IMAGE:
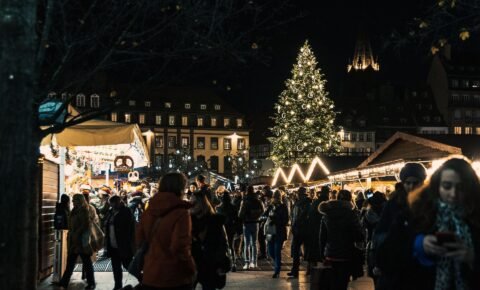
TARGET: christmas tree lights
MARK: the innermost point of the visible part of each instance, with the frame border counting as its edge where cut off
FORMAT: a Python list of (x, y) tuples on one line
[(304, 117)]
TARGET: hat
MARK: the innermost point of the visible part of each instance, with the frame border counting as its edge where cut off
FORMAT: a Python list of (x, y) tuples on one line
[(377, 199), (413, 169)]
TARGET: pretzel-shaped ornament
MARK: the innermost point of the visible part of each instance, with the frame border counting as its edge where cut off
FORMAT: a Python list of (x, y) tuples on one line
[(123, 163)]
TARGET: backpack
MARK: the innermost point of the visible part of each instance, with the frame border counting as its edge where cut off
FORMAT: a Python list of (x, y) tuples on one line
[(60, 219)]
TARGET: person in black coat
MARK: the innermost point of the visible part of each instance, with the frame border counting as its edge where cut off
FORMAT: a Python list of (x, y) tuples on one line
[(227, 209), (210, 246), (313, 233), (412, 176), (120, 237), (277, 216), (299, 228), (340, 230)]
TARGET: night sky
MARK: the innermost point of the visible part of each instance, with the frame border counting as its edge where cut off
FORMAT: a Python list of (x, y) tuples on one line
[(331, 28)]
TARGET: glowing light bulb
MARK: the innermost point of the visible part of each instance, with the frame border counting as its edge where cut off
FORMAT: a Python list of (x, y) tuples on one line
[(309, 106), (292, 113)]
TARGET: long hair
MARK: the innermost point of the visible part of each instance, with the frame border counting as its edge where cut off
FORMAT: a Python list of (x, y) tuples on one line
[(422, 201), (173, 182)]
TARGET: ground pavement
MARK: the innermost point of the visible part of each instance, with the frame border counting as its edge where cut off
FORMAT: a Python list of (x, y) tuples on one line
[(259, 278)]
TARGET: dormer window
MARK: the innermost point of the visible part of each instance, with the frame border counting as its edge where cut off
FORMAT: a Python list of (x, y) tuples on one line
[(80, 101), (94, 101), (362, 123), (218, 107), (203, 107), (437, 119), (148, 104), (426, 118), (131, 103), (403, 121), (168, 105), (188, 106)]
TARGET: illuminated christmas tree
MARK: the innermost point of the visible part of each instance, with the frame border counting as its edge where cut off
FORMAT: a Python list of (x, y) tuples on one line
[(304, 115)]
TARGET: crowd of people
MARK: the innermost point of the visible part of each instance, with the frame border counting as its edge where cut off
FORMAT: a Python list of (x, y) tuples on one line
[(423, 235)]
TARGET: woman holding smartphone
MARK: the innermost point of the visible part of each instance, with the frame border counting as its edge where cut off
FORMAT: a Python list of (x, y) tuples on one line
[(437, 245)]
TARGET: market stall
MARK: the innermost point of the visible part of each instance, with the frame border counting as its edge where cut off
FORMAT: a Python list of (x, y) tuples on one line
[(81, 151)]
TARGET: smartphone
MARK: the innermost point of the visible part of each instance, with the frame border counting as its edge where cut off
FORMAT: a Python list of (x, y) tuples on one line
[(445, 237)]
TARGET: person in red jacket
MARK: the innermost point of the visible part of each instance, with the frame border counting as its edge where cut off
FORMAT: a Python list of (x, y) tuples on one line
[(166, 224)]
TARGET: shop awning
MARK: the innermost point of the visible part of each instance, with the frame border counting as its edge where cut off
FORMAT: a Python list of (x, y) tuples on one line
[(108, 139)]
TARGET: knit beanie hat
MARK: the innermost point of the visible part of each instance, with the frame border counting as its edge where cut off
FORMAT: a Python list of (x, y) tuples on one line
[(413, 169)]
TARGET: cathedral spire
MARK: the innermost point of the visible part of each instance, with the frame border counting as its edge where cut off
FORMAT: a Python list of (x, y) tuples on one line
[(363, 56)]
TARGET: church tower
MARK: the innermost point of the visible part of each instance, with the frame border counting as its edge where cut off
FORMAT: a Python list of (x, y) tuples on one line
[(363, 55)]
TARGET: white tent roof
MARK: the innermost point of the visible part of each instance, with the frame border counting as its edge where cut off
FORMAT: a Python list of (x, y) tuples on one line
[(103, 136)]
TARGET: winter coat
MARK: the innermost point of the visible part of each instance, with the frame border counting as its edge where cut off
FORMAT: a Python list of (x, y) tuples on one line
[(210, 250), (312, 253), (79, 226), (401, 270), (300, 216), (251, 209), (205, 190), (278, 214), (231, 217), (340, 229), (124, 227), (168, 262)]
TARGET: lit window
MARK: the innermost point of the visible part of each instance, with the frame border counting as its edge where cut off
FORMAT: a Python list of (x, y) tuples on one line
[(214, 143), (188, 106), (159, 141), (94, 101), (468, 130), (200, 142), (131, 103), (213, 122), (128, 118), (239, 123), (172, 140), (240, 144), (226, 122), (141, 118), (168, 105), (148, 104), (227, 144), (203, 107), (184, 121), (476, 84), (477, 130), (158, 119), (114, 117), (199, 121), (346, 136), (218, 107), (171, 120), (457, 130), (80, 100), (185, 142)]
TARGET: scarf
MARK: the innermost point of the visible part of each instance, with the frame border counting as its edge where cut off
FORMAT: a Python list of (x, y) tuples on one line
[(448, 271)]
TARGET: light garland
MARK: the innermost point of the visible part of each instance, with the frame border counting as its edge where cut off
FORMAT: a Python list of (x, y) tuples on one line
[(296, 168)]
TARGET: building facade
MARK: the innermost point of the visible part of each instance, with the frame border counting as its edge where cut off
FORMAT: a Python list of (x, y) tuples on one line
[(184, 127), (456, 87)]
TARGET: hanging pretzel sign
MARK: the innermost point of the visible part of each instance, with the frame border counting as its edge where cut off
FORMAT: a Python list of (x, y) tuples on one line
[(123, 163)]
